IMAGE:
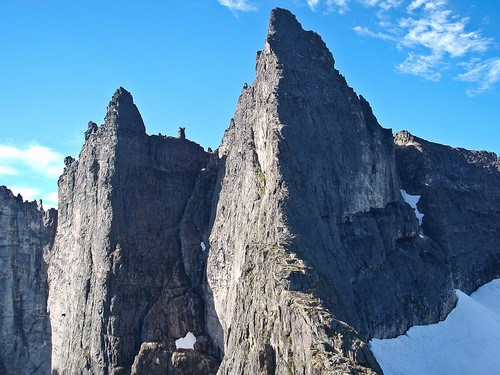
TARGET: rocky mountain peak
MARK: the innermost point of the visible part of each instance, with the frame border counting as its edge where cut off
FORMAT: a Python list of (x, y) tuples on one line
[(282, 22), (289, 41), (123, 114), (283, 252)]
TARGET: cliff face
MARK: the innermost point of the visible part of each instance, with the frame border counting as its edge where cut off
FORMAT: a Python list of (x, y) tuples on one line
[(312, 248), (460, 199), (26, 234), (283, 252), (119, 295)]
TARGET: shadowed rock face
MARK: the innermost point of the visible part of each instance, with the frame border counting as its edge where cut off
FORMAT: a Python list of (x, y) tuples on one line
[(460, 200), (26, 234), (117, 281)]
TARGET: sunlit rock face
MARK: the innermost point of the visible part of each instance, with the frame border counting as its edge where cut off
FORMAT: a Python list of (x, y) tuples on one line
[(26, 234)]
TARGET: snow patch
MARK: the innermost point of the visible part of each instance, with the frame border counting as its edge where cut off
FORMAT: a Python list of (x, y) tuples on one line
[(466, 342), (412, 200), (186, 342), (203, 247)]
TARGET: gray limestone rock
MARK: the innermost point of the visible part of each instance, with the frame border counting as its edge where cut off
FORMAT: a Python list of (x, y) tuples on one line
[(26, 234)]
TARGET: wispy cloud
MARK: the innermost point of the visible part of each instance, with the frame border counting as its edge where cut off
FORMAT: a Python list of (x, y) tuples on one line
[(380, 35), (435, 30), (423, 66), (238, 5), (312, 4), (50, 200), (34, 159), (484, 73), (341, 6), (436, 40), (30, 194)]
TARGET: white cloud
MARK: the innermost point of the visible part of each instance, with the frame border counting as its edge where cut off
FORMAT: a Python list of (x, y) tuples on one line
[(312, 4), (5, 170), (389, 4), (423, 66), (340, 6), (365, 32), (50, 200), (26, 192), (434, 39), (483, 73), (34, 159), (416, 4), (437, 41), (238, 5), (52, 197), (435, 31), (370, 3)]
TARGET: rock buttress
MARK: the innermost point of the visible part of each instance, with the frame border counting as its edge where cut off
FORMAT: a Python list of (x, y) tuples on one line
[(312, 249), (119, 296)]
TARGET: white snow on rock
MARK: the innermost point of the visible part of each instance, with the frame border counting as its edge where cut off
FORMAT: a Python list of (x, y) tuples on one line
[(466, 342), (186, 342), (203, 247), (412, 200)]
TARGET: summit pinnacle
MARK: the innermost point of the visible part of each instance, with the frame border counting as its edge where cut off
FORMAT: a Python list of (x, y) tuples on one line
[(123, 114)]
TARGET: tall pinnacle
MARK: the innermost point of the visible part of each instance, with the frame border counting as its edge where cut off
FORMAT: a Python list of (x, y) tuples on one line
[(288, 40), (283, 22), (123, 114)]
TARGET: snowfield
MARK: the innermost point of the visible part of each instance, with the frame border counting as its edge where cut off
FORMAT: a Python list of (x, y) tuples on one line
[(466, 342)]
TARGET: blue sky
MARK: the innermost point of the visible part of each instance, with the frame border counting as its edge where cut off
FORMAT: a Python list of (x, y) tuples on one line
[(429, 66)]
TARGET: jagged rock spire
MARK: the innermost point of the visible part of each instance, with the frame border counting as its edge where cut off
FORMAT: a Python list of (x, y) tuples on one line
[(123, 114), (288, 40)]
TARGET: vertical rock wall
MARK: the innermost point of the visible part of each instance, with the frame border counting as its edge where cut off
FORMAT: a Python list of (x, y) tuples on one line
[(26, 234), (119, 296)]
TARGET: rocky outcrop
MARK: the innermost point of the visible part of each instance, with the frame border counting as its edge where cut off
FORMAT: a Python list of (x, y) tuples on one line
[(312, 249), (26, 234), (460, 199), (119, 294), (283, 252)]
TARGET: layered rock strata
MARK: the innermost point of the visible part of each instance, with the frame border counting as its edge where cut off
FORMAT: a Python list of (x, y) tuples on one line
[(26, 235), (119, 296)]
